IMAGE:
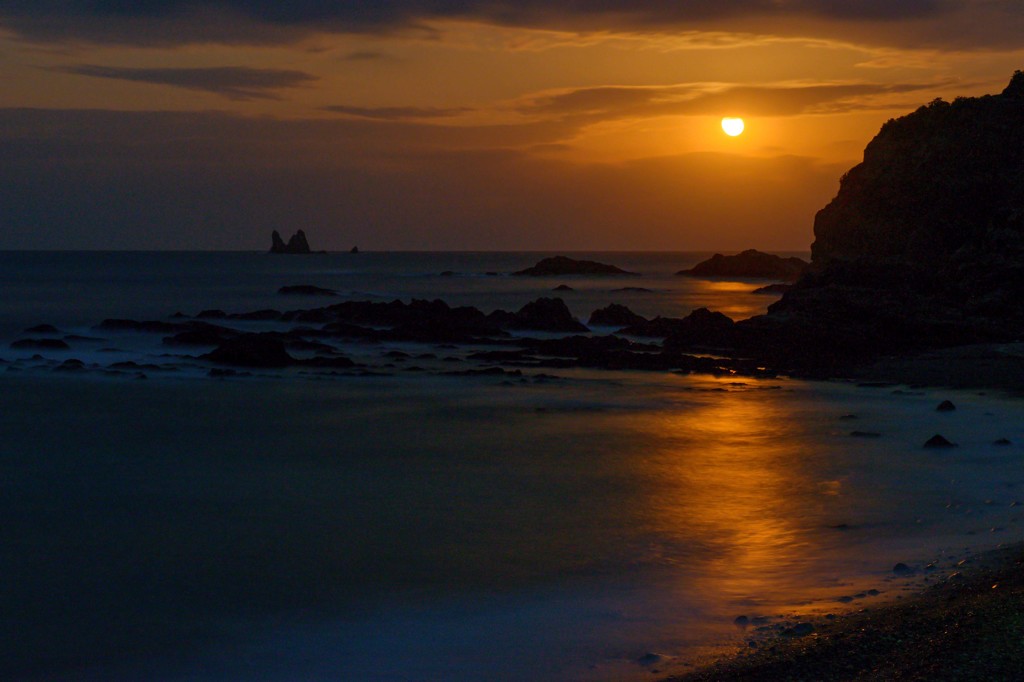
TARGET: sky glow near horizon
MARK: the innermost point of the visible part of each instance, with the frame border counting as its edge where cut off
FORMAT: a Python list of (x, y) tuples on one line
[(455, 126)]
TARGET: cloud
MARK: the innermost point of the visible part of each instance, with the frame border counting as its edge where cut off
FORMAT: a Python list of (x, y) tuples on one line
[(233, 82), (365, 56), (613, 102), (975, 23), (397, 113)]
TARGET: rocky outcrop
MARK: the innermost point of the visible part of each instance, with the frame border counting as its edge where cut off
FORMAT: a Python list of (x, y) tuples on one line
[(40, 344), (938, 188), (703, 328), (778, 288), (561, 265), (615, 315), (251, 350), (749, 263), (544, 314), (297, 243), (922, 248)]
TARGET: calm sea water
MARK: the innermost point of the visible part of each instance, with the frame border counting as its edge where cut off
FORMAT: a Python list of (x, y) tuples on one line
[(422, 527)]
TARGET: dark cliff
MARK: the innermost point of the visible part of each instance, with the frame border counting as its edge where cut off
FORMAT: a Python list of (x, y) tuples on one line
[(923, 246), (937, 187)]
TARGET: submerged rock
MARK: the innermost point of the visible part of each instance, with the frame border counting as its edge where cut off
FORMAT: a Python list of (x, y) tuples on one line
[(40, 344), (42, 329), (561, 265)]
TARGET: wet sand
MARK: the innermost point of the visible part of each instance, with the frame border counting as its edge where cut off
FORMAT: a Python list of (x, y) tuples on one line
[(967, 626)]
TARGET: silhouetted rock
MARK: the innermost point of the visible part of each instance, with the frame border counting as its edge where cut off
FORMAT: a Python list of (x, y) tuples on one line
[(251, 350), (946, 406), (561, 265), (306, 290), (773, 289), (923, 246), (1002, 441), (749, 263), (297, 243), (563, 287), (658, 328), (615, 315), (544, 314), (42, 329), (702, 328), (939, 441), (354, 249), (70, 365), (40, 344), (147, 326)]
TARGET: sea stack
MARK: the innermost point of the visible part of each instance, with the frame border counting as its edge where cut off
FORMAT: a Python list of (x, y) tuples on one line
[(297, 244)]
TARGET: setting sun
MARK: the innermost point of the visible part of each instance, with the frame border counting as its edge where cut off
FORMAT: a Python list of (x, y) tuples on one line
[(732, 126)]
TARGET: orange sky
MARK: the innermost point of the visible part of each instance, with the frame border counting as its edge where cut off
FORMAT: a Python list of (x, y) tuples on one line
[(527, 126)]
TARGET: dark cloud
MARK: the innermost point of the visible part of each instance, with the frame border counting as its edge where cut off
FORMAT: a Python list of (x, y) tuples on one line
[(191, 180), (397, 113), (234, 82), (181, 21), (609, 102)]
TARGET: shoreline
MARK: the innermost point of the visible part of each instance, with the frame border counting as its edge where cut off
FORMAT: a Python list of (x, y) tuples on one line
[(967, 626), (977, 367)]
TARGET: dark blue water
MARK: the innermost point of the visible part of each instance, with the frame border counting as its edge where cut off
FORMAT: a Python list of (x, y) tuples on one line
[(82, 288), (422, 527)]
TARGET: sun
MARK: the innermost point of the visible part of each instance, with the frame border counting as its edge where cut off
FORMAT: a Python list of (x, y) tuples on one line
[(732, 126)]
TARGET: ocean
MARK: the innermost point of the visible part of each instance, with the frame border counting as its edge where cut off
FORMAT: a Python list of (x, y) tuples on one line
[(408, 524)]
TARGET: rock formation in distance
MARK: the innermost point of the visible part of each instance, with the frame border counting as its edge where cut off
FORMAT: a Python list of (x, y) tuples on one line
[(297, 244)]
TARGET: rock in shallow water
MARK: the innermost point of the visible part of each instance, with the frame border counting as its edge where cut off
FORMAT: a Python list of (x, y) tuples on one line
[(251, 350)]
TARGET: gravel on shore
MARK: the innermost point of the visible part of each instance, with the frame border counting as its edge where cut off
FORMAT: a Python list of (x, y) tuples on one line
[(969, 626)]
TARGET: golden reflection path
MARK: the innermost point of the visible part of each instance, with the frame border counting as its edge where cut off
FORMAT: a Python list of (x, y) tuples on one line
[(728, 470)]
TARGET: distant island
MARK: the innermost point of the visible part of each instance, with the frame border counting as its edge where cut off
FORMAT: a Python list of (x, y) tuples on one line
[(561, 265), (750, 263), (297, 244)]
